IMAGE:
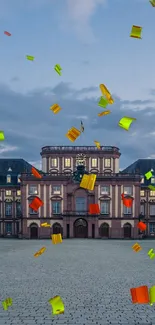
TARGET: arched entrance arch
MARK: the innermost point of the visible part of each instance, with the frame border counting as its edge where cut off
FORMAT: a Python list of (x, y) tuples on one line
[(34, 231), (80, 228), (57, 229), (104, 230), (127, 230)]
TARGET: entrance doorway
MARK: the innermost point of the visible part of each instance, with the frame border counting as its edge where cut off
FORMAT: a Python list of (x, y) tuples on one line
[(57, 229), (104, 230), (34, 231), (127, 230), (80, 228)]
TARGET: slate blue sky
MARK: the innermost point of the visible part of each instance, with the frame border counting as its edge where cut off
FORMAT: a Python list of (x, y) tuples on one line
[(90, 40)]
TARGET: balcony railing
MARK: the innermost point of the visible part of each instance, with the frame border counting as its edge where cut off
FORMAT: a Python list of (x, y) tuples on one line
[(99, 175), (78, 148)]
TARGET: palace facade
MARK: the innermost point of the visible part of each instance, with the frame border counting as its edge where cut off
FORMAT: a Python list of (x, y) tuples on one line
[(66, 204)]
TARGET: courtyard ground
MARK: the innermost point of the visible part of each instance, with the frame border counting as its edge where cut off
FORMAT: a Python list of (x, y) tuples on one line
[(93, 277)]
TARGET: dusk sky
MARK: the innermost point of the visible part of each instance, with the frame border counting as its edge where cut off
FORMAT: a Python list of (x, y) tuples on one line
[(91, 41)]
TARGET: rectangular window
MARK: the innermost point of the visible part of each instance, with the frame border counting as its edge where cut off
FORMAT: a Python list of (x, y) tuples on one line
[(18, 208), (8, 227), (81, 204), (8, 193), (105, 207), (18, 193), (105, 190), (31, 211), (107, 162), (142, 180), (127, 190), (56, 189), (127, 210), (152, 193), (142, 193), (33, 189), (67, 162), (18, 178), (8, 209), (8, 179), (152, 209), (93, 162), (54, 162), (152, 227), (56, 207), (142, 209), (152, 180)]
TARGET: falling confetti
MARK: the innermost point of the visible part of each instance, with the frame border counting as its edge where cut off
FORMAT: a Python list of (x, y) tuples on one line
[(125, 122), (136, 32)]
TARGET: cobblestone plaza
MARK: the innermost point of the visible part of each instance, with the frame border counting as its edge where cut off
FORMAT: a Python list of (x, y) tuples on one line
[(93, 277)]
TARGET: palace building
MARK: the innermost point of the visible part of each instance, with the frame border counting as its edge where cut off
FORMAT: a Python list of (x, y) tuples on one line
[(147, 195), (66, 204)]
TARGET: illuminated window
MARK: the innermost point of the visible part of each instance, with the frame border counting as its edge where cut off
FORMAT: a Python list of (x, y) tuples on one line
[(18, 178), (8, 193), (18, 193), (54, 162), (8, 179), (142, 193), (94, 162), (67, 162), (152, 193), (152, 180), (107, 162)]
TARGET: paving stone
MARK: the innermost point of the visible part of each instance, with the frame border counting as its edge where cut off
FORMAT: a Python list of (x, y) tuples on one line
[(93, 277)]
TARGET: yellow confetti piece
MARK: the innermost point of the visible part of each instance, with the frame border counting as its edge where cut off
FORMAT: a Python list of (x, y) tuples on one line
[(73, 134), (97, 144), (106, 93), (56, 238), (46, 225), (152, 295), (57, 305), (125, 122), (2, 137), (148, 175), (152, 3), (55, 108), (136, 32), (151, 187), (104, 113), (88, 182), (30, 58), (136, 247)]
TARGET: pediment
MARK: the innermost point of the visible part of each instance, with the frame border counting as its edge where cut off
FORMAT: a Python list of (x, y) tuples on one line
[(104, 197), (56, 198)]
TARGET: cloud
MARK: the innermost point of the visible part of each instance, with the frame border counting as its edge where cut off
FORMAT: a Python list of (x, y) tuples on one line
[(7, 148), (29, 124), (80, 13)]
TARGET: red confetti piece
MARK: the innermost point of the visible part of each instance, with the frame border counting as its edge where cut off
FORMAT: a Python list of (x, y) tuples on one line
[(7, 33)]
